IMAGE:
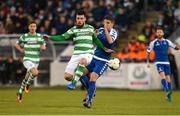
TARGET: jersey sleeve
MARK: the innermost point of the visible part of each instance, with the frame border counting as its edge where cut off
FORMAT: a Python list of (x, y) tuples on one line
[(150, 47), (171, 44), (42, 41), (64, 36), (20, 40), (113, 34), (68, 34)]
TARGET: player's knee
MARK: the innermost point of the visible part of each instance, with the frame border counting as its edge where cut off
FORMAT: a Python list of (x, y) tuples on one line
[(83, 61), (34, 72), (68, 77), (94, 76)]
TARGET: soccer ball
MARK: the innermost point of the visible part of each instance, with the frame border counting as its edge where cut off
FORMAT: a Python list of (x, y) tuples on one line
[(114, 64)]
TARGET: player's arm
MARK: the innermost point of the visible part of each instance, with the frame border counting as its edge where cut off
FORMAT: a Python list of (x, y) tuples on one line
[(100, 45), (62, 37), (147, 59), (17, 45), (176, 47), (150, 47), (42, 44), (108, 36), (111, 36), (97, 41)]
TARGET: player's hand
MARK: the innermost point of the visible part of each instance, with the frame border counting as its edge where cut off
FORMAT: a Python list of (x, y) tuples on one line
[(108, 50), (22, 51), (97, 32), (45, 36)]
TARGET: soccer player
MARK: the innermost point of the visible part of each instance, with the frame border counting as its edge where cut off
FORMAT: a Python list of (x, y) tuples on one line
[(160, 46), (83, 36), (33, 43), (99, 63)]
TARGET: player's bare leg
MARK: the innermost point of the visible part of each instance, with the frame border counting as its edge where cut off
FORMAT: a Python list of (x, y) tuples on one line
[(33, 74), (78, 73), (22, 87)]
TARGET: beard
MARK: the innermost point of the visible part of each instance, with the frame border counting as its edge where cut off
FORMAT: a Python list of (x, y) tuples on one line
[(160, 36), (79, 25)]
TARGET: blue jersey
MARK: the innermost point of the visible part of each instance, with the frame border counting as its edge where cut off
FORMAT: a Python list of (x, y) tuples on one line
[(99, 63), (100, 53), (160, 48)]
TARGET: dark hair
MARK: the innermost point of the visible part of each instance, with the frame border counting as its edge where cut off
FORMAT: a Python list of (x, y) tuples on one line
[(108, 17), (159, 28), (80, 12), (31, 22)]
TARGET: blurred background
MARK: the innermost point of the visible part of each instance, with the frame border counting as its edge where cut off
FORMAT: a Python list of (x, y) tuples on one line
[(135, 21)]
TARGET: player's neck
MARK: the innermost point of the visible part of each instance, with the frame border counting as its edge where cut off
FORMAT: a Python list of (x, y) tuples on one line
[(161, 38), (32, 33)]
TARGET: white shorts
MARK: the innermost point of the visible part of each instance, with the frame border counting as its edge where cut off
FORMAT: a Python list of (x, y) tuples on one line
[(29, 65), (74, 61)]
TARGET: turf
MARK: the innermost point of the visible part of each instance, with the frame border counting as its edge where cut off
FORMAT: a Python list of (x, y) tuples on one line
[(59, 101)]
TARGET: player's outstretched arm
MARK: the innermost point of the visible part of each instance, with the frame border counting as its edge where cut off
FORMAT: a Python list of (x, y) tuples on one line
[(147, 59), (55, 38), (62, 37), (177, 47)]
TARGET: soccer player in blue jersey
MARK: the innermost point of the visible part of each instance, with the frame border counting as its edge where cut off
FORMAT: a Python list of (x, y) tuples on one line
[(107, 35), (160, 46)]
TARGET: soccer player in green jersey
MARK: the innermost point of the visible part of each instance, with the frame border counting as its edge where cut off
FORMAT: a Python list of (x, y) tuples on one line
[(32, 43), (83, 37)]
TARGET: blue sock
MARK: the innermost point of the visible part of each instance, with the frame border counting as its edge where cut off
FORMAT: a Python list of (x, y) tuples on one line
[(169, 86), (165, 85), (85, 80), (91, 90)]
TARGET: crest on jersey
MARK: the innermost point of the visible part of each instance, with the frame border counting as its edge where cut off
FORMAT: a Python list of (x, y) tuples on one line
[(157, 44)]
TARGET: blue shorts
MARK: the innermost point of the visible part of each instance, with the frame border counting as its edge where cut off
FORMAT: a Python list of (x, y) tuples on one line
[(97, 66), (165, 68)]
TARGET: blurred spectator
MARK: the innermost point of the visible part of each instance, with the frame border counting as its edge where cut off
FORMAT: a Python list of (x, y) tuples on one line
[(174, 69), (121, 19), (50, 14), (177, 12), (124, 55), (20, 71), (11, 69), (3, 69), (148, 29)]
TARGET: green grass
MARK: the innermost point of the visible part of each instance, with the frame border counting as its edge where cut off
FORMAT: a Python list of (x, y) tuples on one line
[(50, 101)]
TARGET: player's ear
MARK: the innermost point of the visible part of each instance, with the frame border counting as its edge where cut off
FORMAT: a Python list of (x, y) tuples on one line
[(84, 19)]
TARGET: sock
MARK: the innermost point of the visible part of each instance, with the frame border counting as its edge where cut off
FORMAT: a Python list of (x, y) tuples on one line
[(21, 89), (91, 90), (78, 73), (30, 79), (169, 86), (165, 84), (85, 80)]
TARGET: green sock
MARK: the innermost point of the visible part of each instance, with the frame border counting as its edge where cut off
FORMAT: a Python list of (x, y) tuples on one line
[(21, 89), (78, 73), (30, 79)]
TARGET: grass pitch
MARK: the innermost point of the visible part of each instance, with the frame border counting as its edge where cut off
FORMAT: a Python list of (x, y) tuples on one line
[(59, 101)]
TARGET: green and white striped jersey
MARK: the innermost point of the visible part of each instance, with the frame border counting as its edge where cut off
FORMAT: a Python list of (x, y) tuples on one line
[(82, 38), (31, 45)]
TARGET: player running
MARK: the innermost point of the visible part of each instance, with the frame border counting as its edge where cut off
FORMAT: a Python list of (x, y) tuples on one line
[(33, 43), (160, 46), (99, 63)]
